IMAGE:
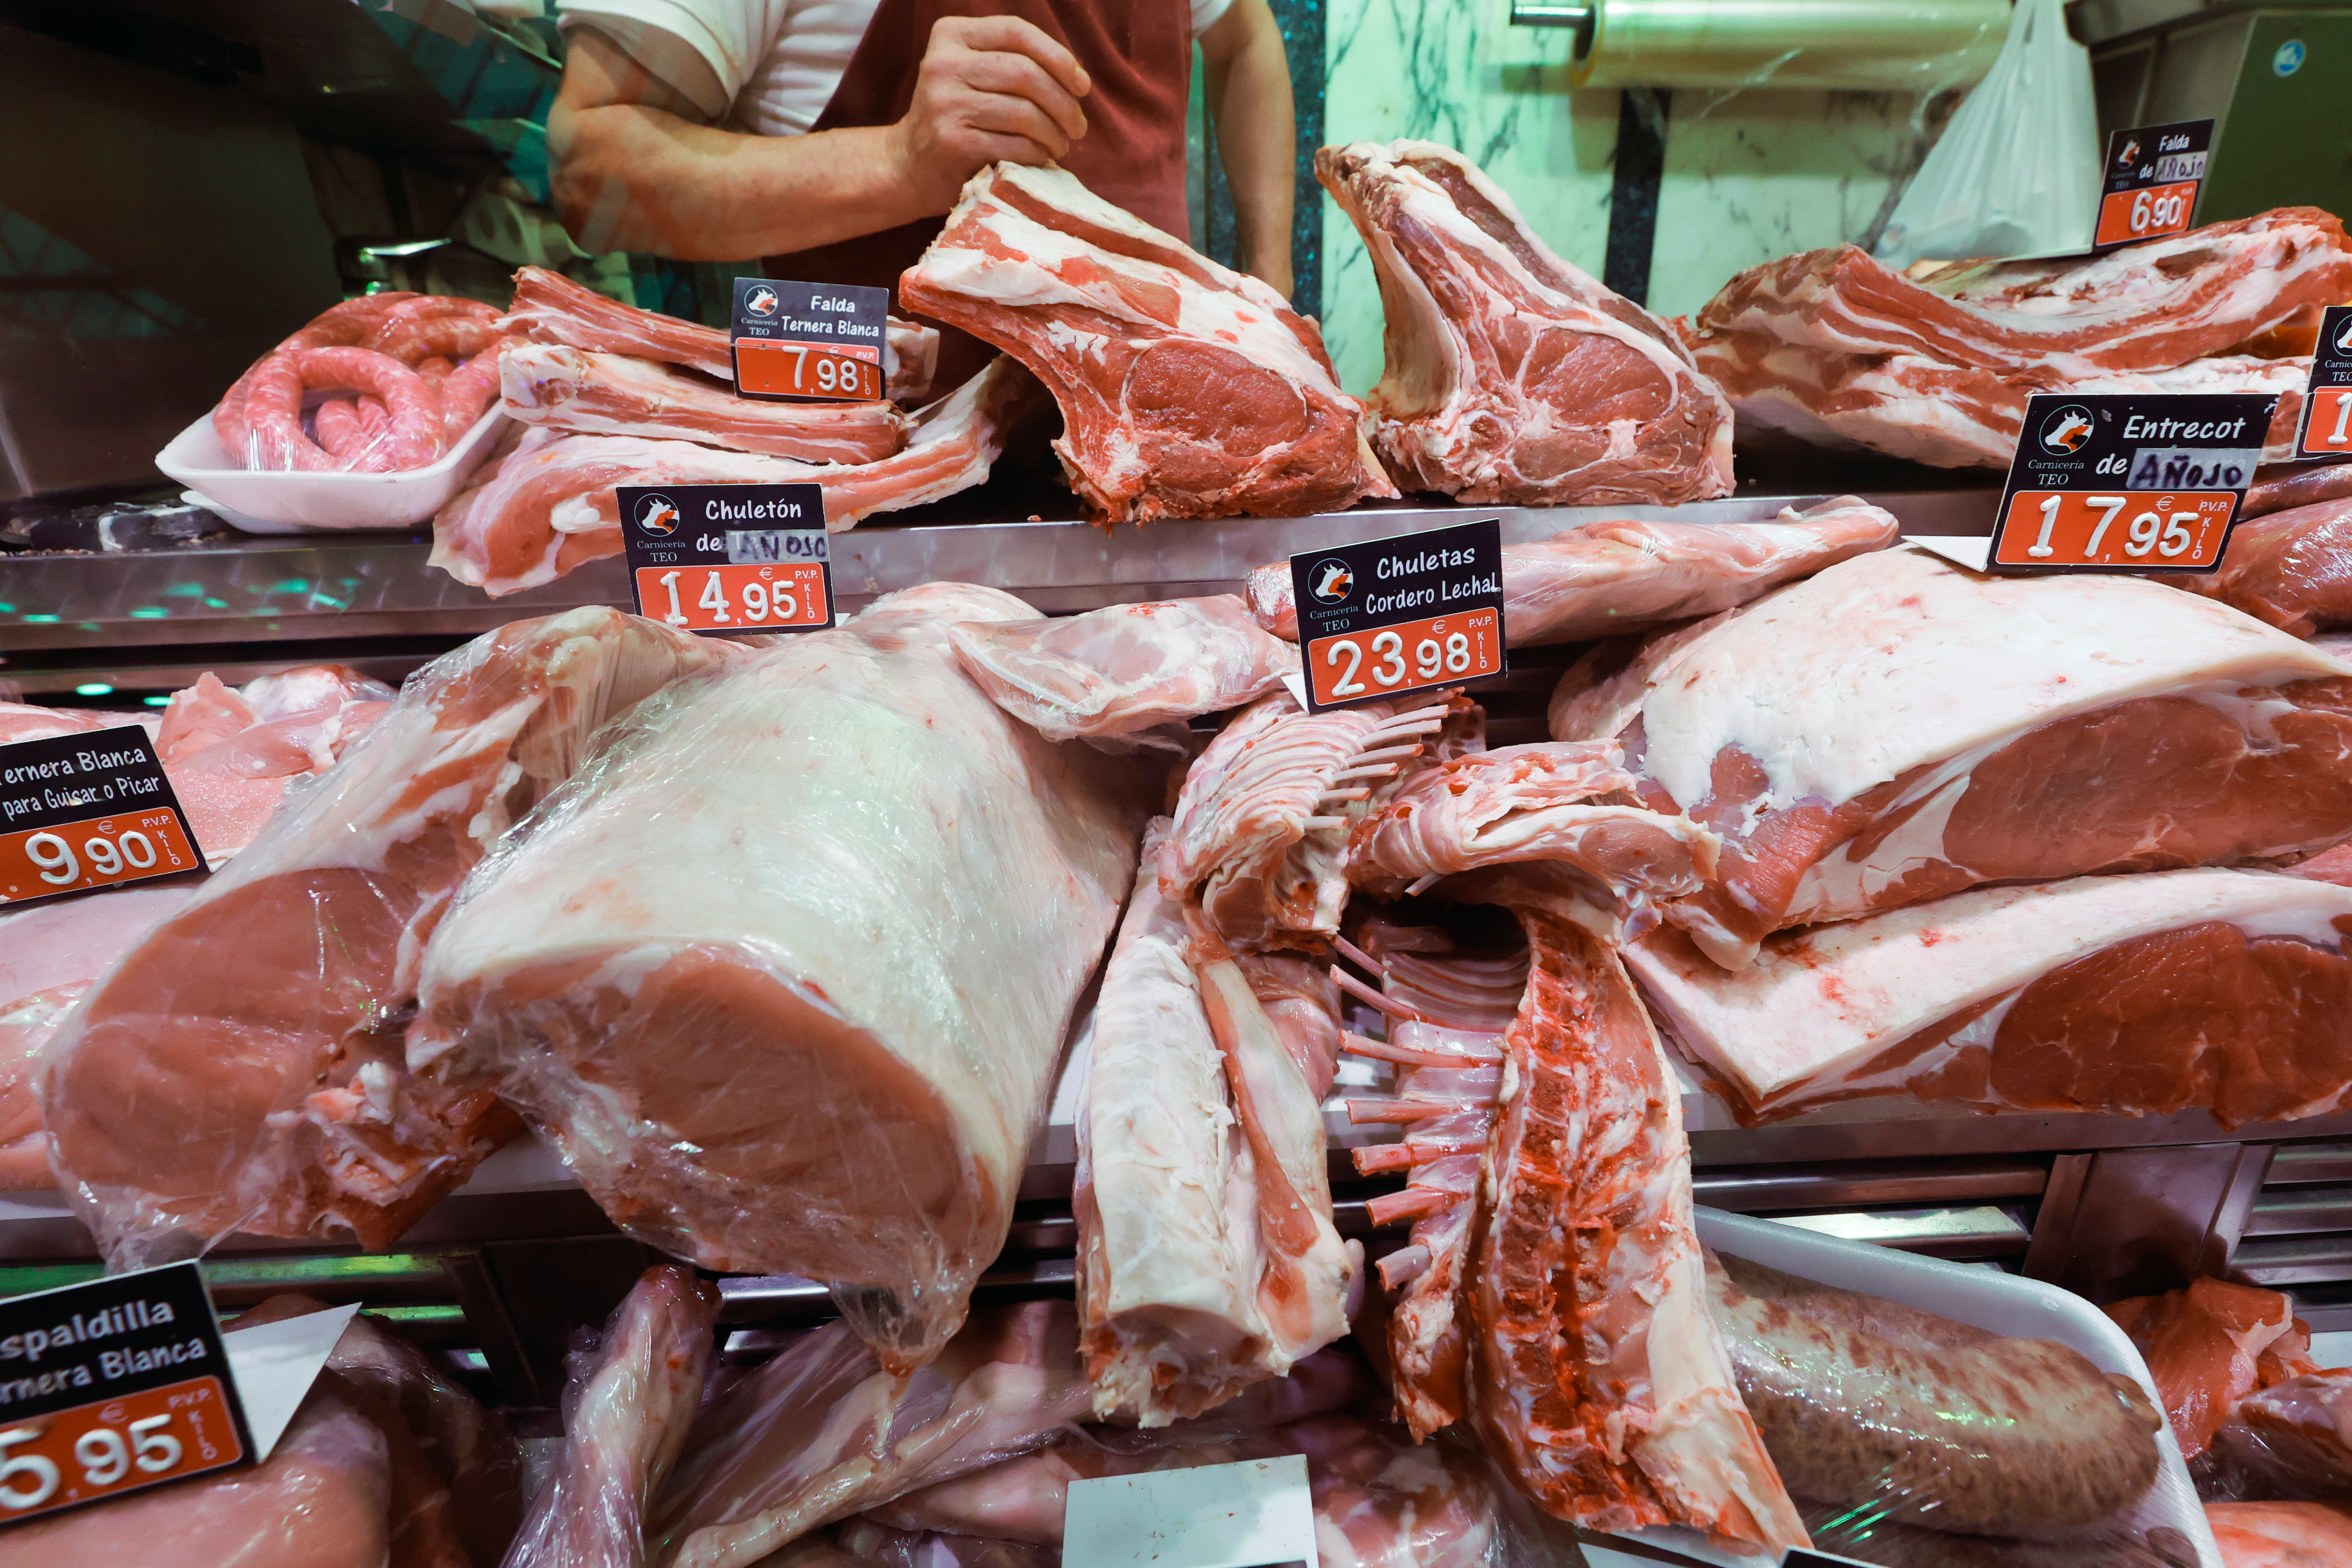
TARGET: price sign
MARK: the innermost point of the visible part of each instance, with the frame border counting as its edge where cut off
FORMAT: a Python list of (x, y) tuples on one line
[(2128, 482), (728, 559), (1413, 613), (93, 810), (113, 1387), (803, 342), (2327, 406), (2151, 181)]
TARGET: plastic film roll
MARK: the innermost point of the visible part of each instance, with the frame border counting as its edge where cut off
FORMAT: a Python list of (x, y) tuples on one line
[(1886, 46)]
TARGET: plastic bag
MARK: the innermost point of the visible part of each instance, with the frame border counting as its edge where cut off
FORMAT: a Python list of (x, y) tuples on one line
[(627, 1409), (2017, 171), (244, 1065), (787, 972), (378, 384)]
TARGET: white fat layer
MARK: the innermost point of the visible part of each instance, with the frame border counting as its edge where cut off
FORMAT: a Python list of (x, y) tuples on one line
[(1893, 660), (1817, 1004)]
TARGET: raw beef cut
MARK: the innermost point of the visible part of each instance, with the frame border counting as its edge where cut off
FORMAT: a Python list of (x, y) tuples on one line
[(2221, 990), (1600, 579), (786, 973), (1597, 1375), (1512, 378), (1898, 728), (1261, 837), (1186, 390), (823, 1431), (1206, 1256), (627, 1416), (2146, 307), (2203, 1346), (552, 309), (1126, 668), (2292, 569), (1534, 810), (2278, 489), (612, 395), (549, 506), (243, 1067), (230, 752), (2291, 1438), (2281, 1535), (318, 1502), (1950, 416)]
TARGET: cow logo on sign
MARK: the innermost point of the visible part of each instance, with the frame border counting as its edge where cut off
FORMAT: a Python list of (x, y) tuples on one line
[(657, 515), (2066, 429), (762, 301), (1332, 581)]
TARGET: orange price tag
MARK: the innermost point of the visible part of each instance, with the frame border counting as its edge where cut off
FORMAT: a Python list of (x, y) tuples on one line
[(2328, 427), (771, 368), (1445, 650), (737, 596), (2117, 529), (96, 852), (2147, 214), (112, 1445)]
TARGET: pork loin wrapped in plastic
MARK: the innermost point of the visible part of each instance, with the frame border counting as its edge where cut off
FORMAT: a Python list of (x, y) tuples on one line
[(786, 973), (243, 1067)]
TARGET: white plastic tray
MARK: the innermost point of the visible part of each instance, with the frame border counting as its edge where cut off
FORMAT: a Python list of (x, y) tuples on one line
[(264, 502), (1982, 1297)]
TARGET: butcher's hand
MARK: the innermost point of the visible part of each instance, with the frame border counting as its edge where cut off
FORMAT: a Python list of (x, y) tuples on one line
[(991, 89)]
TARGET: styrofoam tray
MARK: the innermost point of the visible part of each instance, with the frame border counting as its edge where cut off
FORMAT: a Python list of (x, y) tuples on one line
[(1981, 1297), (265, 502)]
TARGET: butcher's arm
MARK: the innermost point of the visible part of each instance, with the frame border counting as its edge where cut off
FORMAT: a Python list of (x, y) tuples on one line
[(1247, 82), (634, 167)]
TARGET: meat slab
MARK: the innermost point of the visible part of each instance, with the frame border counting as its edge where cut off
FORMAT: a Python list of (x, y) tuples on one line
[(612, 395), (895, 957), (1603, 579), (243, 1067), (1187, 390), (2281, 1535), (548, 507), (1512, 378), (1898, 728), (2204, 1346), (2292, 569), (2142, 308), (2219, 990)]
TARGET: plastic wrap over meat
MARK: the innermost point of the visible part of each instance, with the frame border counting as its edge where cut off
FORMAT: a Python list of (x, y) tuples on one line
[(320, 1500), (823, 1431), (2282, 1534), (378, 384), (243, 1067), (1603, 579), (2292, 569), (1127, 668), (2292, 1437), (787, 971), (2284, 488), (628, 1412), (1884, 1409)]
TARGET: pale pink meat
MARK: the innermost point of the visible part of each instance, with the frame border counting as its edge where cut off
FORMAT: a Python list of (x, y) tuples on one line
[(1605, 578), (1511, 376), (602, 393), (1186, 390), (2281, 1535), (549, 506), (1130, 667), (230, 753), (243, 1067)]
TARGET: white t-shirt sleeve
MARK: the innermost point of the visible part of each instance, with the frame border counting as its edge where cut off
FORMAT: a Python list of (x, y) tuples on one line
[(1206, 14), (706, 49)]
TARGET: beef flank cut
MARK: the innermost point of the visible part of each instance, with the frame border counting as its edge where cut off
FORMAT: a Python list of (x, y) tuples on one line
[(1512, 378), (1186, 390)]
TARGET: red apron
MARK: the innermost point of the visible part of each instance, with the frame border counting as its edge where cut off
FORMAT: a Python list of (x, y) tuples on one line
[(1139, 54)]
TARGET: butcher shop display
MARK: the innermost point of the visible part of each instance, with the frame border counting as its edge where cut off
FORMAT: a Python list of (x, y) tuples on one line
[(1512, 377), (1186, 390)]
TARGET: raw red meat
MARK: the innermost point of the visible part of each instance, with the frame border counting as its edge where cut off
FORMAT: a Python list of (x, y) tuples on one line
[(243, 1067), (2292, 569), (1600, 579), (1186, 390), (2277, 490), (577, 389), (1512, 377), (2202, 1346), (2146, 307), (2282, 1534), (1898, 728), (2135, 996), (230, 753), (548, 507)]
